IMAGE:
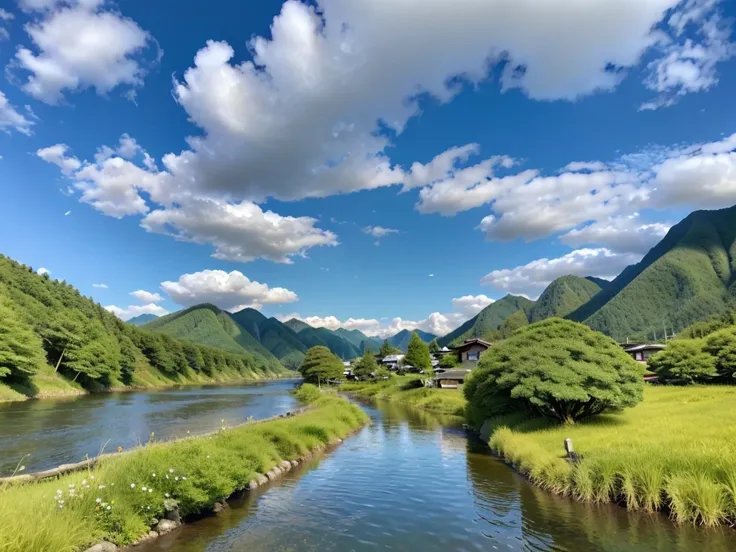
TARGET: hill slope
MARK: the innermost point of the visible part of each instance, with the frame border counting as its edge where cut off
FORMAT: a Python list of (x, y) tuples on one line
[(563, 296), (279, 339), (340, 346), (401, 339), (688, 276), (296, 325), (142, 319), (490, 318)]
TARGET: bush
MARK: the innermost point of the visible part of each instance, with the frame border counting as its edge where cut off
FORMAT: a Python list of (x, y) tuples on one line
[(307, 393), (683, 361), (449, 360), (722, 346), (555, 368)]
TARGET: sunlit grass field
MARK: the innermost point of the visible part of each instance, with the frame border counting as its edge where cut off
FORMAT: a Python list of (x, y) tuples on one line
[(676, 451), (444, 401), (121, 498)]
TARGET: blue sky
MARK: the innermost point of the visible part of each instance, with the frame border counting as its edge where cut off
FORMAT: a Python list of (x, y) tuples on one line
[(373, 165)]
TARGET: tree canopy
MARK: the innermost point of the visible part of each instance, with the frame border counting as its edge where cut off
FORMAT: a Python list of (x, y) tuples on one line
[(320, 364), (555, 368), (683, 361), (417, 355), (366, 367), (434, 346), (388, 349)]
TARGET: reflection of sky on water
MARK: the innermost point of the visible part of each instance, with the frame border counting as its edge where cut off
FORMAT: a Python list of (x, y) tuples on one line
[(57, 431)]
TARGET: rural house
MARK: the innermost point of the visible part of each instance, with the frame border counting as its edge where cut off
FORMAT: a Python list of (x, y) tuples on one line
[(641, 353), (470, 350)]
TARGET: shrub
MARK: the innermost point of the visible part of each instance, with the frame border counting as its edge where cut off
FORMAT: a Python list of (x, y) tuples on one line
[(722, 346), (683, 361), (307, 393), (555, 368)]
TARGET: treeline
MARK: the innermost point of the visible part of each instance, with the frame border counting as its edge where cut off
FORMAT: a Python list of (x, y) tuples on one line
[(45, 322)]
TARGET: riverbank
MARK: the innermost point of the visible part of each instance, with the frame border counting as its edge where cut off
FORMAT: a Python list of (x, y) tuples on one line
[(675, 452), (49, 384), (403, 389), (121, 498)]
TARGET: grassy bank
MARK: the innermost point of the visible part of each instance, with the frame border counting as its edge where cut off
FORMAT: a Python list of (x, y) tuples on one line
[(402, 389), (120, 498), (674, 452), (48, 383)]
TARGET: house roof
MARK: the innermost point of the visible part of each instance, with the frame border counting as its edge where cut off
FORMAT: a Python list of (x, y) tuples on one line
[(453, 374), (392, 358), (646, 347), (470, 343)]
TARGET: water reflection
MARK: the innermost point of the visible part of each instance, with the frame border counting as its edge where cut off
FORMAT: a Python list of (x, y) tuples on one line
[(414, 481), (57, 431)]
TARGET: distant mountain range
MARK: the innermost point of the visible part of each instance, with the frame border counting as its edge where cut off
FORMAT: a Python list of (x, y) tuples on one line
[(142, 319), (689, 276), (250, 330)]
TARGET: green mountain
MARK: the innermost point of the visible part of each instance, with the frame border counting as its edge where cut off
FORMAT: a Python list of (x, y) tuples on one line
[(401, 339), (686, 277), (279, 339), (142, 319), (52, 331), (356, 337), (296, 325), (340, 346), (208, 325), (563, 296), (490, 318)]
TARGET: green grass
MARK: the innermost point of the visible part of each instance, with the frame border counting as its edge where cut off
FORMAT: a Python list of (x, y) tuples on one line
[(196, 472), (675, 452), (46, 383), (396, 389)]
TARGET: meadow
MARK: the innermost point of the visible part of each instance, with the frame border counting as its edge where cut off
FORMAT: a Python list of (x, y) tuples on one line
[(120, 499), (402, 389), (675, 452)]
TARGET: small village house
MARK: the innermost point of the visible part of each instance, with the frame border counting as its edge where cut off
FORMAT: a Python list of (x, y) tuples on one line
[(451, 379), (642, 352), (469, 352)]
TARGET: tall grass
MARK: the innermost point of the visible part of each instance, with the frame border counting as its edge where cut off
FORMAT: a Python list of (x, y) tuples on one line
[(402, 389), (675, 452), (121, 498)]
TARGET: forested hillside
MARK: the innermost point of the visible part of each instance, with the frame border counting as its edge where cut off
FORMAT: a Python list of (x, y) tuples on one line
[(490, 318), (688, 276), (142, 319), (563, 296), (401, 339), (50, 330), (279, 339)]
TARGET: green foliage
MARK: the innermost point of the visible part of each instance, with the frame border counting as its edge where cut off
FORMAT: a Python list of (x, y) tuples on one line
[(366, 367), (563, 296), (21, 353), (517, 320), (307, 393), (312, 337), (490, 318), (417, 355), (683, 361), (382, 373), (401, 339), (194, 473), (721, 345), (449, 360), (320, 364), (434, 346), (685, 278), (388, 349), (555, 368)]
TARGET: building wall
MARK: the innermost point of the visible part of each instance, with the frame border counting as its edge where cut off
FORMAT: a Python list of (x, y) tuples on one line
[(476, 350)]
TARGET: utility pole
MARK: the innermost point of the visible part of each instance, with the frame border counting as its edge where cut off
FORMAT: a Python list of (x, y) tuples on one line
[(664, 325)]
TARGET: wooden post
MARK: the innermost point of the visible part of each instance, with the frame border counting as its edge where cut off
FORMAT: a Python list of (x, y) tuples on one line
[(568, 448)]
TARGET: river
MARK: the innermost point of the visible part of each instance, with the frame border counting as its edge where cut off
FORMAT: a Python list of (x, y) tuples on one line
[(45, 433), (411, 481)]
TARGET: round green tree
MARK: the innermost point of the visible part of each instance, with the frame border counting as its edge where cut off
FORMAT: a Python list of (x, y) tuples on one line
[(722, 346), (366, 367), (683, 361), (555, 368), (417, 355), (320, 364), (21, 353)]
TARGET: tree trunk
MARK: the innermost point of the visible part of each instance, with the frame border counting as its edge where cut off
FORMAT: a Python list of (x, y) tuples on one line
[(59, 361)]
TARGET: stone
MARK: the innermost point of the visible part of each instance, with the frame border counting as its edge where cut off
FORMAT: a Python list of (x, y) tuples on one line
[(271, 475), (173, 515), (252, 485), (166, 526), (103, 547), (262, 479), (277, 471), (285, 466), (220, 506), (294, 463)]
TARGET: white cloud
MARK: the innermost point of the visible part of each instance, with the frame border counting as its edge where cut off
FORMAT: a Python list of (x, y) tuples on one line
[(531, 279), (470, 305), (67, 213), (300, 120), (379, 231), (230, 291), (80, 44), (56, 154), (10, 119), (135, 310), (240, 232), (43, 271), (578, 166), (699, 39), (100, 286), (146, 296), (619, 234), (5, 16)]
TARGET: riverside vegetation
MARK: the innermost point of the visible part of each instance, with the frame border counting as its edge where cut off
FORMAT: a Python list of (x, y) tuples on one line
[(124, 494), (54, 341)]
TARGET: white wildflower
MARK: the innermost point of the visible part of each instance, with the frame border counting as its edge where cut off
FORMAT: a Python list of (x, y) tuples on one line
[(98, 500), (143, 488), (108, 507), (171, 470), (176, 478), (166, 495), (132, 485)]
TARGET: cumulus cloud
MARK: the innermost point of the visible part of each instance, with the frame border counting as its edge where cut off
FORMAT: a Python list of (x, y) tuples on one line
[(470, 305), (5, 16), (531, 279), (56, 154), (81, 44), (11, 119), (625, 234), (228, 290), (43, 271), (379, 231), (146, 296), (135, 310)]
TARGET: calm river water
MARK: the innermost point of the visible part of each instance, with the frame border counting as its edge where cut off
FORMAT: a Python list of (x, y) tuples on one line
[(59, 431), (416, 482)]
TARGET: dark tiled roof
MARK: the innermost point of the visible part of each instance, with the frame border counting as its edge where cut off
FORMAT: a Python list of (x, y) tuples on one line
[(454, 374), (470, 342)]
